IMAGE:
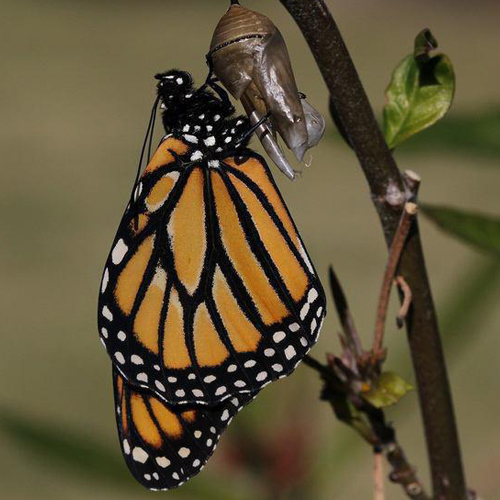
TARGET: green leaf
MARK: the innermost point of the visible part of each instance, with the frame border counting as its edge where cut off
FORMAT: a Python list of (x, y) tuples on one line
[(387, 390), (479, 230), (419, 94)]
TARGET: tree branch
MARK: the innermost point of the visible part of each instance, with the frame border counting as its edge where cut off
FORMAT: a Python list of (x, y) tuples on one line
[(388, 194)]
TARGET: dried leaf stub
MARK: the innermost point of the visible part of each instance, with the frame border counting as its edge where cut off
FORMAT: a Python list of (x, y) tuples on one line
[(249, 56)]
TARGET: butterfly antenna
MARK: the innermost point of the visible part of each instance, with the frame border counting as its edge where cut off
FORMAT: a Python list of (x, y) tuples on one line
[(147, 140), (154, 112)]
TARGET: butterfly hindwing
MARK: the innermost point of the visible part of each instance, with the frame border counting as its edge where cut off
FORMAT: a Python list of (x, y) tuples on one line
[(164, 445)]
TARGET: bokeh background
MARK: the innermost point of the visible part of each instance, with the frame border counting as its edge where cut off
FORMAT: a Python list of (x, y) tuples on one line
[(76, 89)]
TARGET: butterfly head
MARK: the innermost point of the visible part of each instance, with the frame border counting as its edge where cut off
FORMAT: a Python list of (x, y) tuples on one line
[(199, 116)]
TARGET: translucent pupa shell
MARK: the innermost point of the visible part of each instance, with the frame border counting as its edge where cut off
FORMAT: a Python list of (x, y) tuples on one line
[(249, 56)]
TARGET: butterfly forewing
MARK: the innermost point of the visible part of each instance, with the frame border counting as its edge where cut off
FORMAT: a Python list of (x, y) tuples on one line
[(208, 290)]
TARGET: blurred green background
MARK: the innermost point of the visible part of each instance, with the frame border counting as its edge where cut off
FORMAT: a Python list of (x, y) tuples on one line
[(76, 89)]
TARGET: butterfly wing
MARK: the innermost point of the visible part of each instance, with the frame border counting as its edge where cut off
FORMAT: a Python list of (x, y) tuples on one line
[(164, 446), (208, 290), (266, 302)]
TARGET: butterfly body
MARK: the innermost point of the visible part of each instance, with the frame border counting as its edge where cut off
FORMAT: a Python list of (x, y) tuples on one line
[(208, 293)]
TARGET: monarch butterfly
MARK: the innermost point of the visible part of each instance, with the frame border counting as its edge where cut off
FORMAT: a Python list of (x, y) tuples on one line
[(208, 293)]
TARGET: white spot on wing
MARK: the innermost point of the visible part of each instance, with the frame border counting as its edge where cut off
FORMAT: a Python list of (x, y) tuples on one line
[(119, 251), (197, 155), (290, 352), (126, 447), (105, 280), (142, 377), (139, 455), (312, 295), (107, 313), (119, 357), (304, 310), (137, 360), (138, 191), (221, 390), (191, 138), (279, 336), (184, 452)]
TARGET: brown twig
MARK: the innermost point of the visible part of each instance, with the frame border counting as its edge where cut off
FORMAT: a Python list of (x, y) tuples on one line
[(316, 365), (378, 476), (395, 251), (406, 302), (343, 388), (403, 473), (388, 193)]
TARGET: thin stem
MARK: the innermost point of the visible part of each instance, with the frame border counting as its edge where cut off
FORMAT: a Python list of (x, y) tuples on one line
[(395, 251), (344, 313), (403, 473), (388, 194), (370, 423), (378, 477), (406, 302), (316, 365)]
